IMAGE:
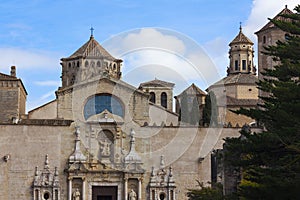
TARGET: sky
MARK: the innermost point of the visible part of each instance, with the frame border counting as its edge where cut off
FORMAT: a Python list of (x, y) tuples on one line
[(182, 41)]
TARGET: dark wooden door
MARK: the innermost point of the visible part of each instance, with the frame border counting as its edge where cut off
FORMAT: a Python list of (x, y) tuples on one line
[(105, 193), (104, 197)]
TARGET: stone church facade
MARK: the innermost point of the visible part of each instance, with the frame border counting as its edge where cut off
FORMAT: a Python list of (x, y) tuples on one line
[(103, 139)]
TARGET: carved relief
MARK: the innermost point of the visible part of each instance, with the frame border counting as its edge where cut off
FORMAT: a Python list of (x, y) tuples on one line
[(46, 183)]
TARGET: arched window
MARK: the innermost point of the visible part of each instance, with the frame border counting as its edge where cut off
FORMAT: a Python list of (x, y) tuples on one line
[(163, 100), (98, 103), (152, 97)]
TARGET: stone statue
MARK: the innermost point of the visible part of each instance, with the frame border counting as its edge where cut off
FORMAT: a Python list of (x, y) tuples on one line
[(76, 195), (105, 147), (132, 195)]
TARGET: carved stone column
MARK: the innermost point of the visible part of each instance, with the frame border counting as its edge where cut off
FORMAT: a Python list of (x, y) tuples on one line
[(70, 188), (126, 188), (140, 189), (83, 188)]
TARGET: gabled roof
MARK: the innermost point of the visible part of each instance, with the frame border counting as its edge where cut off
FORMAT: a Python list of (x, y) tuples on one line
[(157, 83), (92, 48), (241, 38), (285, 11), (192, 89)]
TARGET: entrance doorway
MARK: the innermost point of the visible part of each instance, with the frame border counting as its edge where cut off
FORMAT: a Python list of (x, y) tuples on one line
[(105, 193), (104, 197)]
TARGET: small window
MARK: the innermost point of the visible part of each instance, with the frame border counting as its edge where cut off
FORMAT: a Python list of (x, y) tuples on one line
[(236, 65), (287, 37), (163, 99), (244, 64), (264, 39), (152, 97), (250, 89)]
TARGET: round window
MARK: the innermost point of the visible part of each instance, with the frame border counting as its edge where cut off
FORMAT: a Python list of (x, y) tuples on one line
[(46, 195)]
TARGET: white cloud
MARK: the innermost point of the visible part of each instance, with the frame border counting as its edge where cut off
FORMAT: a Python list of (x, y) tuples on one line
[(47, 83), (143, 38), (261, 11), (27, 59), (165, 54)]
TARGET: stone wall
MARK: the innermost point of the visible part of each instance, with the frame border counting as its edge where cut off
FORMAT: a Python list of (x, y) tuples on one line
[(186, 149), (47, 111)]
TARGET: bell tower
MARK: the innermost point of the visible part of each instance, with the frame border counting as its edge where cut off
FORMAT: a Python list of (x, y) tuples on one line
[(90, 61), (268, 35), (241, 55)]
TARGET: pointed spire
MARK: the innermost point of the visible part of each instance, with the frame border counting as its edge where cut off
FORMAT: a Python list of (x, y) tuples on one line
[(132, 156), (240, 26), (77, 155)]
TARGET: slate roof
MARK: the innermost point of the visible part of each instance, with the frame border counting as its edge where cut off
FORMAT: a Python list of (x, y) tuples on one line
[(157, 83), (89, 48), (277, 17), (241, 38), (240, 78)]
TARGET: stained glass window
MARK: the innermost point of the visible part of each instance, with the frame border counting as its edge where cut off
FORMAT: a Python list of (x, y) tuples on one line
[(99, 103)]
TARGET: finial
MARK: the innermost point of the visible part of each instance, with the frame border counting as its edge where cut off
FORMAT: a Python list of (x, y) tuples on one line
[(92, 31), (55, 172), (162, 162), (46, 162), (285, 6), (77, 132), (240, 26), (36, 171)]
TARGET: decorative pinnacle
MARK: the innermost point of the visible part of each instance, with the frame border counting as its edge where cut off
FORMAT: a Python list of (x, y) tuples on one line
[(46, 162), (241, 26), (162, 162)]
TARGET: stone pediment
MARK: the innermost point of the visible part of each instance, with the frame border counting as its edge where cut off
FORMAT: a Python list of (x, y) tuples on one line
[(105, 117)]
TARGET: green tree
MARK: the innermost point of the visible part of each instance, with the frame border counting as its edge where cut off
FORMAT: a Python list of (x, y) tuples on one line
[(206, 193), (210, 110), (270, 160)]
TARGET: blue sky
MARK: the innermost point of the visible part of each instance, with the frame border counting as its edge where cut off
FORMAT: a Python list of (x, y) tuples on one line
[(35, 34)]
